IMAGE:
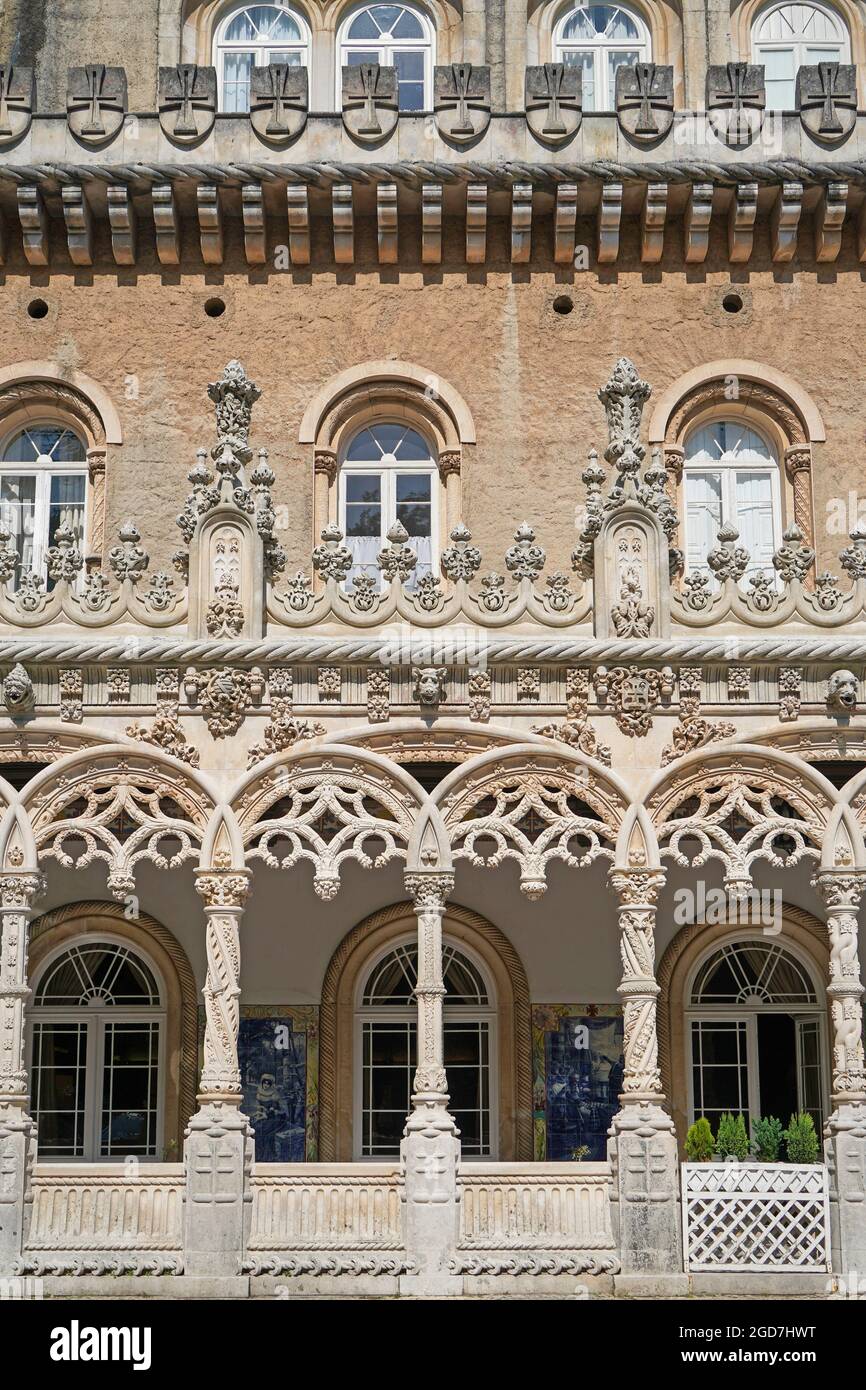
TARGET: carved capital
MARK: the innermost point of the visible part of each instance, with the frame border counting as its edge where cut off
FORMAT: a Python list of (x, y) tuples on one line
[(839, 889), (325, 461), (19, 891), (637, 887), (449, 462), (223, 889), (429, 891), (798, 459)]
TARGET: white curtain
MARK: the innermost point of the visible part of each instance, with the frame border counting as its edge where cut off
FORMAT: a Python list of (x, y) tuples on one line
[(754, 519), (18, 514)]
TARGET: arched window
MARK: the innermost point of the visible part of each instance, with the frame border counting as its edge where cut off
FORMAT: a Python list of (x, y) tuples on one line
[(396, 36), (388, 474), (43, 483), (786, 37), (755, 1035), (599, 39), (731, 477), (253, 37), (96, 1026), (386, 1051)]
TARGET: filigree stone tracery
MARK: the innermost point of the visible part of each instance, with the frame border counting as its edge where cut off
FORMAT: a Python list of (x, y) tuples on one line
[(841, 893)]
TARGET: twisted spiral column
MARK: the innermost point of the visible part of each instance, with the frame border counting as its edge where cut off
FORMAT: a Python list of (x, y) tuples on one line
[(224, 894), (841, 892), (637, 893), (429, 893)]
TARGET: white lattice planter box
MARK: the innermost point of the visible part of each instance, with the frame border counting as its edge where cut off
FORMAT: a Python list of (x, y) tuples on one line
[(741, 1216)]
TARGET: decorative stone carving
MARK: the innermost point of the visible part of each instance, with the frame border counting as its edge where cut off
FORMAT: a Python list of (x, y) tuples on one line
[(728, 560), (843, 689), (187, 102), (330, 682), (166, 731), (577, 732), (283, 730), (71, 695), (631, 617), (461, 561), (118, 685), (528, 683), (429, 685), (461, 101), (224, 695), (18, 694), (17, 102), (645, 100), (790, 690), (525, 559), (64, 558), (736, 97), (480, 694), (793, 559), (633, 695), (378, 694), (739, 682), (225, 612), (96, 103), (278, 103), (553, 99), (129, 559), (331, 559), (398, 559), (827, 100), (694, 730), (370, 110)]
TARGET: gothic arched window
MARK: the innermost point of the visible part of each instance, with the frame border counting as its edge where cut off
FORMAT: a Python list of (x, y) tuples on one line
[(96, 1027), (755, 1035), (731, 477), (388, 474), (398, 36), (386, 1051), (599, 39), (43, 485), (254, 36), (786, 37)]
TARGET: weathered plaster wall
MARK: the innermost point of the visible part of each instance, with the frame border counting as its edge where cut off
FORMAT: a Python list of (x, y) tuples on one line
[(528, 374)]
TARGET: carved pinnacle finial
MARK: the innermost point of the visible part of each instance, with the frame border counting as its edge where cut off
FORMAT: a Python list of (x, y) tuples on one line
[(624, 398)]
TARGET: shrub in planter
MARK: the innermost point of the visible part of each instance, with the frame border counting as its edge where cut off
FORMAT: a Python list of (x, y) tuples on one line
[(767, 1135), (801, 1140), (732, 1140), (700, 1145)]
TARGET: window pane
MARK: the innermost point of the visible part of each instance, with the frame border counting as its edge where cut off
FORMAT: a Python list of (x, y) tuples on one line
[(60, 445), (413, 487), (754, 518), (129, 1089), (720, 1070), (237, 68), (241, 28), (703, 499), (18, 514), (283, 27), (614, 61), (364, 27), (586, 62), (355, 57), (67, 505), (59, 1066), (408, 26), (410, 80)]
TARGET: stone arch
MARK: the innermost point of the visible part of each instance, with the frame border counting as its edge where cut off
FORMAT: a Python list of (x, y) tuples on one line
[(675, 966), (336, 1019), (387, 390), (767, 399), (663, 18), (166, 801), (95, 918), (43, 392), (583, 803)]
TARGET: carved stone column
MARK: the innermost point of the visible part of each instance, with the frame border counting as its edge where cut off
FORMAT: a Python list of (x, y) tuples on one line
[(218, 1149), (845, 1132), (95, 546), (324, 477), (642, 1146), (18, 894), (430, 1151), (449, 473), (798, 466)]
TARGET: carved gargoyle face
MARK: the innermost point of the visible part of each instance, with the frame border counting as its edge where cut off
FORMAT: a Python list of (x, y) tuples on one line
[(842, 690), (18, 690), (429, 684)]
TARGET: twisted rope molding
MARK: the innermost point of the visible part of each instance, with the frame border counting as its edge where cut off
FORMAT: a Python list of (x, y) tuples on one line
[(140, 651), (413, 173), (671, 957), (188, 1062), (522, 1029)]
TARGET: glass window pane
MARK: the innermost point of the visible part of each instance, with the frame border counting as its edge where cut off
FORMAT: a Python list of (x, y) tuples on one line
[(129, 1089), (355, 57), (617, 60), (241, 28), (363, 487), (412, 447), (59, 1067), (67, 504), (413, 487), (237, 68), (283, 28), (18, 514), (409, 65), (293, 59), (363, 26), (408, 26)]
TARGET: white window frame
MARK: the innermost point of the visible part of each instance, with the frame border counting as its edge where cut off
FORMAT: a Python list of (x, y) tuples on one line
[(728, 466), (44, 473), (749, 1014), (605, 100), (386, 51), (262, 52), (804, 51), (388, 474), (408, 1013), (95, 1018)]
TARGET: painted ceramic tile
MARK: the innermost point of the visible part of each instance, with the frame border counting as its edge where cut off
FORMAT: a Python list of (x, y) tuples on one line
[(577, 1066), (278, 1050)]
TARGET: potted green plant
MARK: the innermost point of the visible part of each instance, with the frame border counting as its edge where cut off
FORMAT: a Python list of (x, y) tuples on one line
[(731, 1139), (767, 1135), (801, 1140), (700, 1145)]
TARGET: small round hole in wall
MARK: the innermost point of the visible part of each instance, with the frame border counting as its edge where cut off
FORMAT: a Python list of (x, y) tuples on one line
[(37, 309), (563, 304), (214, 308), (732, 303)]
